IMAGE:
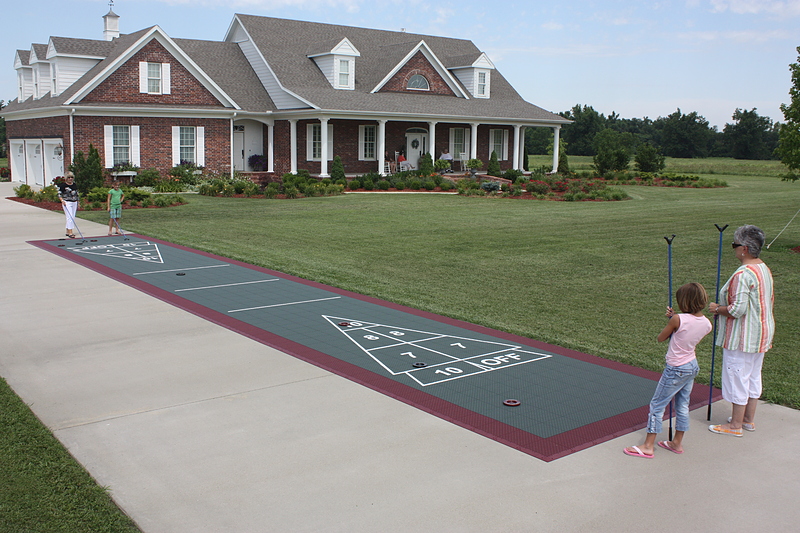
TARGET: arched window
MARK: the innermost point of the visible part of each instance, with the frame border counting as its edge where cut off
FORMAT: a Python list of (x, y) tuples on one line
[(419, 83)]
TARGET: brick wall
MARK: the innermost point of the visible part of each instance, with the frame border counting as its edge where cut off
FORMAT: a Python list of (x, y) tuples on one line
[(418, 64), (123, 84)]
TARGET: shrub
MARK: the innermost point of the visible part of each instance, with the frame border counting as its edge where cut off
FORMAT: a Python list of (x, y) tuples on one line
[(490, 186), (429, 185), (512, 174), (383, 185), (97, 194), (23, 191), (368, 184), (88, 170), (426, 165), (96, 205), (133, 203), (185, 173), (291, 192), (250, 189), (493, 168), (613, 150), (537, 187), (446, 185), (272, 190), (337, 168), (172, 184), (162, 201), (415, 184), (136, 195), (354, 184), (649, 158), (147, 202), (400, 185), (147, 177)]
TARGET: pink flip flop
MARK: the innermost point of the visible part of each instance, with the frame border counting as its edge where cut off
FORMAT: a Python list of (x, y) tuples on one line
[(636, 453), (665, 444)]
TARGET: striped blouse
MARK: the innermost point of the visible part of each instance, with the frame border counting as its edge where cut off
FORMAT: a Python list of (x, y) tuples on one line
[(749, 298)]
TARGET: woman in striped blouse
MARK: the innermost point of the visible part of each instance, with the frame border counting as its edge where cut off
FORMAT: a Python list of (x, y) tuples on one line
[(746, 330)]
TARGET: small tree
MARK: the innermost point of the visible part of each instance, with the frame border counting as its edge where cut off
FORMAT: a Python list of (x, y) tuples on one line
[(493, 168), (88, 170), (337, 169), (649, 159), (789, 140), (613, 151)]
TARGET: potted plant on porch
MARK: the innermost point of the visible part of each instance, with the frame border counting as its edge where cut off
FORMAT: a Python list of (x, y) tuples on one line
[(473, 165)]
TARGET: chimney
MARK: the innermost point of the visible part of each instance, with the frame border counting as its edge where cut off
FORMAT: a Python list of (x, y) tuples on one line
[(110, 25)]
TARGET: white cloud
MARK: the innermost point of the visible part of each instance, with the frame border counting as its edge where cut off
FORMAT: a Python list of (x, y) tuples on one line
[(552, 26), (784, 8)]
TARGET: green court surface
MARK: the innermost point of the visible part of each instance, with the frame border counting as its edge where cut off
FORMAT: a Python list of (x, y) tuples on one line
[(541, 399)]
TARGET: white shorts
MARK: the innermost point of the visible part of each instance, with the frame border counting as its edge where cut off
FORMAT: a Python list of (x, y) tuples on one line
[(741, 375)]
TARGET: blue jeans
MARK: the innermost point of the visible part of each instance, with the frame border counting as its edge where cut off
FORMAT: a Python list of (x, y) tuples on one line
[(677, 382)]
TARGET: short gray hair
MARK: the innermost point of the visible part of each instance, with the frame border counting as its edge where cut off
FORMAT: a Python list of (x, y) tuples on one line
[(750, 236)]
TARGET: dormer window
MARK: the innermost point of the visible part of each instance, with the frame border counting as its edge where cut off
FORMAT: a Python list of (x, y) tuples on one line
[(482, 84), (418, 82), (344, 73)]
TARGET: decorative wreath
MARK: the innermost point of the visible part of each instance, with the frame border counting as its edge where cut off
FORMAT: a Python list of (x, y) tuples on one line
[(415, 144)]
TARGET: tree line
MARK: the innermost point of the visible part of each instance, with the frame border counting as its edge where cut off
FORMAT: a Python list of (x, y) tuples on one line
[(747, 136)]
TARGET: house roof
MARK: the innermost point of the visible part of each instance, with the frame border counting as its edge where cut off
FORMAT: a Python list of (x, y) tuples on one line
[(285, 44)]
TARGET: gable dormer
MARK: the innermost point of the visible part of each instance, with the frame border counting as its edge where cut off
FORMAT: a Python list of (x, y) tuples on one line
[(24, 75), (40, 69), (420, 71), (475, 73), (337, 62)]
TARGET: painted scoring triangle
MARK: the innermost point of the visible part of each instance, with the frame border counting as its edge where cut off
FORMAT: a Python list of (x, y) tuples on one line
[(135, 251)]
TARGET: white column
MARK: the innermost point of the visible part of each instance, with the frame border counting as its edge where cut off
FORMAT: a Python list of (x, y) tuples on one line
[(382, 147), (432, 139), (323, 164), (516, 147), (521, 162), (271, 146), (293, 141), (473, 142), (556, 136)]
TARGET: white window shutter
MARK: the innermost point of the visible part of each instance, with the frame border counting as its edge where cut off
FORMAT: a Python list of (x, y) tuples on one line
[(452, 147), (468, 142), (142, 76), (505, 145), (361, 143), (165, 81), (135, 151), (200, 146), (330, 142), (108, 144), (309, 142), (176, 146)]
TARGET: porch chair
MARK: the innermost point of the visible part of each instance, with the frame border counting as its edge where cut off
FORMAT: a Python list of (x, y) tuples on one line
[(462, 159)]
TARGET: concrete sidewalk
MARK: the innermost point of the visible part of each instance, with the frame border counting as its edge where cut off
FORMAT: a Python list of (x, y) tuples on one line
[(197, 429)]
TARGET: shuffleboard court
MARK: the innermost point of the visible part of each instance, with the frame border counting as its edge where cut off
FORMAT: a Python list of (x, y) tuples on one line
[(541, 399)]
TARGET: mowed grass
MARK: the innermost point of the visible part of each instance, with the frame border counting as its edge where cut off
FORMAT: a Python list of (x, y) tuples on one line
[(591, 276), (709, 165)]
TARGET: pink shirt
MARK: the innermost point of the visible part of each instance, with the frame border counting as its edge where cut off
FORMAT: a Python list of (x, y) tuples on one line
[(685, 338)]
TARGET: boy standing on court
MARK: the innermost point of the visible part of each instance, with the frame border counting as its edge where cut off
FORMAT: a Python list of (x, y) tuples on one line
[(114, 206)]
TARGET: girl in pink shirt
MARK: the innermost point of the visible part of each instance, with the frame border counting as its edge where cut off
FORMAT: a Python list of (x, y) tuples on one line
[(684, 331)]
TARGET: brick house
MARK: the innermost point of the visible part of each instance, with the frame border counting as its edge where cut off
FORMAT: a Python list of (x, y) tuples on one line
[(296, 93)]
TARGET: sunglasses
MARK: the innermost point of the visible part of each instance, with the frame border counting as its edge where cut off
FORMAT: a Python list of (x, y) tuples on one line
[(735, 245)]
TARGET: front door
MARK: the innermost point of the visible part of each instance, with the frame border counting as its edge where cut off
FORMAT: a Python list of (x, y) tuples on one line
[(238, 150), (416, 146)]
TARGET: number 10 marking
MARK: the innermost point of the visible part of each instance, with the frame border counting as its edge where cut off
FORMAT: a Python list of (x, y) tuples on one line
[(449, 370)]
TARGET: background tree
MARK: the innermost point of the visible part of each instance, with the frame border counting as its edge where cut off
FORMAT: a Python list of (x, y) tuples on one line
[(789, 140), (685, 135), (88, 170), (538, 140), (750, 136), (649, 158), (613, 149), (580, 134)]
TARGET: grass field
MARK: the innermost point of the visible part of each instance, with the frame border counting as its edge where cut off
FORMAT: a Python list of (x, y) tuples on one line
[(589, 276)]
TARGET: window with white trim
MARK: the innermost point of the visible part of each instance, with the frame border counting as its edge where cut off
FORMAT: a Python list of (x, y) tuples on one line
[(314, 142), (154, 78), (367, 143), (418, 82), (498, 143), (20, 82), (35, 83), (459, 143), (121, 144), (344, 73), (188, 145), (482, 84), (53, 80)]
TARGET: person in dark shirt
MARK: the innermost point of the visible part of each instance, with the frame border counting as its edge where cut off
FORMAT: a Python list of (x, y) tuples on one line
[(68, 193)]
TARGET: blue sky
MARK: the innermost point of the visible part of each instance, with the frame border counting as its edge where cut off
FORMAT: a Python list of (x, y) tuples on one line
[(635, 58)]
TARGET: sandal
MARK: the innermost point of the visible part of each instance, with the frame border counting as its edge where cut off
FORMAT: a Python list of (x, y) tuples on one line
[(71, 235)]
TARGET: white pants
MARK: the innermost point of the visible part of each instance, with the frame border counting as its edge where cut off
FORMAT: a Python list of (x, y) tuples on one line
[(70, 208), (741, 375)]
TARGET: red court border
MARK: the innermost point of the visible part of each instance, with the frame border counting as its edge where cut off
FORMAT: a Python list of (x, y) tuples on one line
[(546, 449)]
